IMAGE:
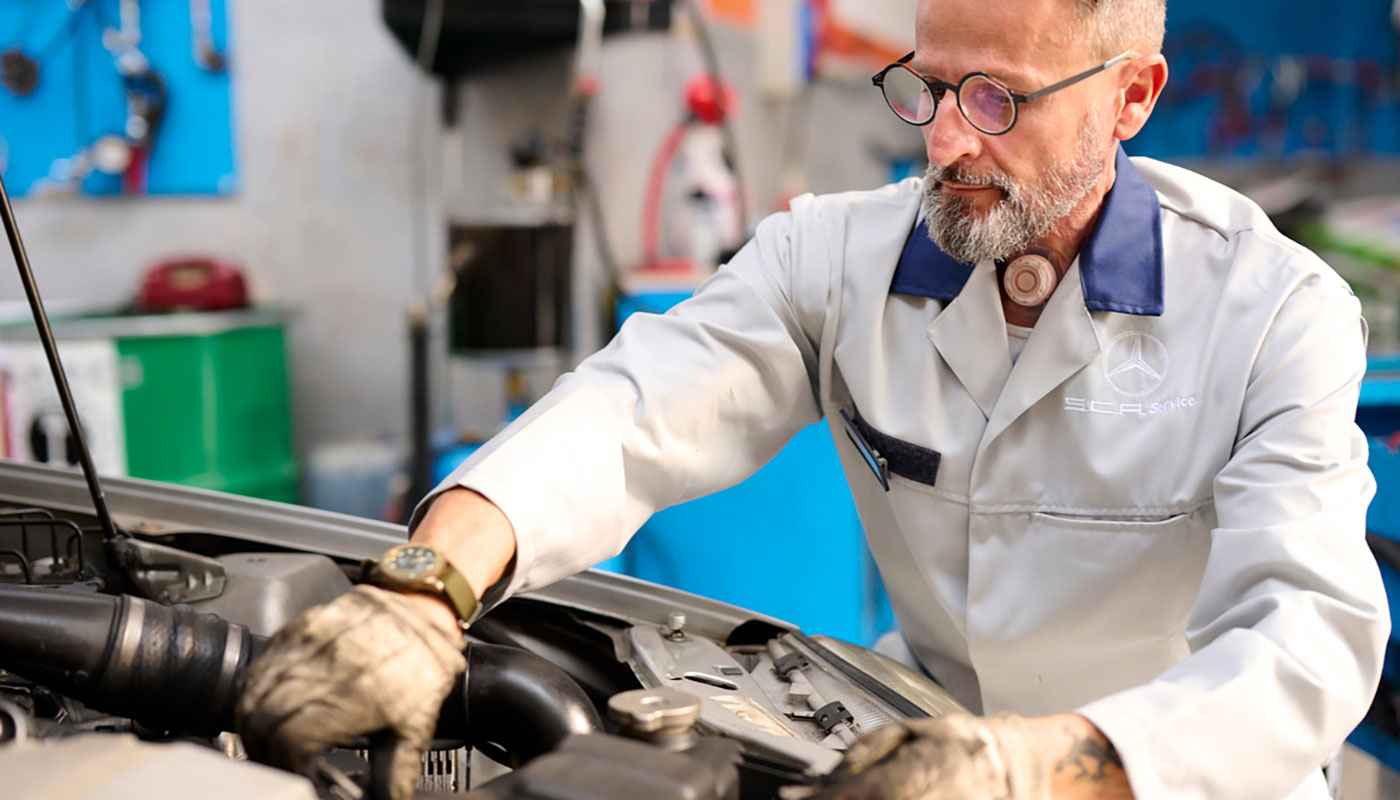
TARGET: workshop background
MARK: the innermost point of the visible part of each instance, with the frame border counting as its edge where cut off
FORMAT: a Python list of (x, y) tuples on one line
[(316, 251)]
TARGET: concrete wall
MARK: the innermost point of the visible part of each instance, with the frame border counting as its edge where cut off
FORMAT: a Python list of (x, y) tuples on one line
[(331, 116)]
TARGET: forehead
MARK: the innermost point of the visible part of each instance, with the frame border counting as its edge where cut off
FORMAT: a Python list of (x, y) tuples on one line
[(1016, 40)]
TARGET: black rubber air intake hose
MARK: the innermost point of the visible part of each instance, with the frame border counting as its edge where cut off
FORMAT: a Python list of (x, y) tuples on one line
[(518, 702), (174, 669), (170, 668)]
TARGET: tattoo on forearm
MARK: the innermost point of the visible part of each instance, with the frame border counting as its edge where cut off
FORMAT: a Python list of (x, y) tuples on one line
[(1091, 758)]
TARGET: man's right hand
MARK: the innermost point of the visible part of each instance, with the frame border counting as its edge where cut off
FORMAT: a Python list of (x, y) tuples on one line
[(371, 660)]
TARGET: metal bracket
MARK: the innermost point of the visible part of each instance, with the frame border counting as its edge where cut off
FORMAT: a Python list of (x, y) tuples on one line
[(833, 714), (168, 575), (785, 665)]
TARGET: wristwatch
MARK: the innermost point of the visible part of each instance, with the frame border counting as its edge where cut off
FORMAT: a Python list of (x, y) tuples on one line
[(416, 567)]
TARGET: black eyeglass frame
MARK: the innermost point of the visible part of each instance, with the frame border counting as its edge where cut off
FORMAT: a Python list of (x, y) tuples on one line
[(934, 87)]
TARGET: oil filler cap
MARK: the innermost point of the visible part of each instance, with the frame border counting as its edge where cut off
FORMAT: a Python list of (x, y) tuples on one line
[(654, 711)]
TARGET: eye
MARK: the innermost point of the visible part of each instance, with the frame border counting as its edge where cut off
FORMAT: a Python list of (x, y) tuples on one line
[(988, 105)]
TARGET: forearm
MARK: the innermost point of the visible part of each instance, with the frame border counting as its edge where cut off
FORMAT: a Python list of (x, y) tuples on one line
[(1082, 762), (476, 537)]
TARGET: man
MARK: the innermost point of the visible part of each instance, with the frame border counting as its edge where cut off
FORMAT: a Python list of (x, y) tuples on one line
[(1126, 522)]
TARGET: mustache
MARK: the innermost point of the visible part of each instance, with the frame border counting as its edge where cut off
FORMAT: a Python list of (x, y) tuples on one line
[(956, 174)]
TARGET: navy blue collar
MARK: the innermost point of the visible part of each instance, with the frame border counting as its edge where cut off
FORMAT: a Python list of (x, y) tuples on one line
[(1120, 267)]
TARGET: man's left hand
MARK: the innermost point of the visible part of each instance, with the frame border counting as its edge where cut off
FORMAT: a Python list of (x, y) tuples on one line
[(957, 757), (948, 758)]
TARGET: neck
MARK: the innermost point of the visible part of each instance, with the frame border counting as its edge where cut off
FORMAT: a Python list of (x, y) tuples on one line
[(1064, 240)]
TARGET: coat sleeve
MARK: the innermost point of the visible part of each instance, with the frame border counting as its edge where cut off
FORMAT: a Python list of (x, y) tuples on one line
[(1288, 632), (677, 406)]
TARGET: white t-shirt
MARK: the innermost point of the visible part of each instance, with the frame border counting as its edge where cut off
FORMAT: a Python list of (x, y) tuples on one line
[(1016, 336)]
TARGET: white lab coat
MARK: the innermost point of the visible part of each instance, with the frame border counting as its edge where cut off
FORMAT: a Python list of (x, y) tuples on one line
[(1155, 518)]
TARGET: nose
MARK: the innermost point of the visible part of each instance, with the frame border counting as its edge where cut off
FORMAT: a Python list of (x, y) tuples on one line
[(949, 137)]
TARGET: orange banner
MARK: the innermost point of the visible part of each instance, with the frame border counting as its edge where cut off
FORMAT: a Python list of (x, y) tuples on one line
[(742, 13)]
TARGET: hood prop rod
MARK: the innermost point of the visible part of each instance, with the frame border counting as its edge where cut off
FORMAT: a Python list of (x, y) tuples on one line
[(110, 533)]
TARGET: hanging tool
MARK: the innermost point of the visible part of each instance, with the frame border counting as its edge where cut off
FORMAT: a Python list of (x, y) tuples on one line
[(206, 55), (19, 71), (146, 95), (146, 98)]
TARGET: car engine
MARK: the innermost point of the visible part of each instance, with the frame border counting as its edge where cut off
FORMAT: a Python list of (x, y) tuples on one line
[(121, 659)]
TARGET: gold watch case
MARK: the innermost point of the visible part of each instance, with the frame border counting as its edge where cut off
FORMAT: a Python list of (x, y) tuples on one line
[(416, 567)]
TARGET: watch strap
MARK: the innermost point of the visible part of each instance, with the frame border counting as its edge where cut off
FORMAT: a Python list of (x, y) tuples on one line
[(458, 592)]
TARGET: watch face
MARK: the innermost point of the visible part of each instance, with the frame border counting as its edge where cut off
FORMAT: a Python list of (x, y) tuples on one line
[(411, 561)]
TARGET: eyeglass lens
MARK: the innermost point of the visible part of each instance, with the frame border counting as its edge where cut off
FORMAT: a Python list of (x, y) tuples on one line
[(908, 96), (985, 104)]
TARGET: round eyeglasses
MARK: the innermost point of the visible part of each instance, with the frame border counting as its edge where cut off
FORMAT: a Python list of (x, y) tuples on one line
[(987, 105)]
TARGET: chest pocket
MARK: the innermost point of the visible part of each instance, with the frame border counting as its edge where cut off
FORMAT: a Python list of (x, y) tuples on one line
[(886, 455), (1065, 522), (1128, 577)]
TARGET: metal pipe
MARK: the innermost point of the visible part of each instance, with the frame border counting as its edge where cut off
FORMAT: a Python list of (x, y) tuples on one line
[(420, 412), (68, 550), (23, 562), (15, 723), (76, 533)]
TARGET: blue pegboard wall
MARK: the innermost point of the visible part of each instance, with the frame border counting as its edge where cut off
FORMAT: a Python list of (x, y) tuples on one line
[(1277, 79), (81, 96)]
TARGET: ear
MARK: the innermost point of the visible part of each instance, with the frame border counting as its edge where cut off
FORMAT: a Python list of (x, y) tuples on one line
[(1143, 86)]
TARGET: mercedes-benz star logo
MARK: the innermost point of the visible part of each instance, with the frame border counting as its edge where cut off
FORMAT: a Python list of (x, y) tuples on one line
[(1135, 363)]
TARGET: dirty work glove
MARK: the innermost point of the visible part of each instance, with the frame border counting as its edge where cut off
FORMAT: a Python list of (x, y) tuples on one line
[(956, 757), (365, 662)]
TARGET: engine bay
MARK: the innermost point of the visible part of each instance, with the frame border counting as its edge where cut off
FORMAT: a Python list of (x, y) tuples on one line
[(141, 642)]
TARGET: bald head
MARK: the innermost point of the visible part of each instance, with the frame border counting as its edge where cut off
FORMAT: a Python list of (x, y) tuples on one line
[(1072, 31), (1113, 26)]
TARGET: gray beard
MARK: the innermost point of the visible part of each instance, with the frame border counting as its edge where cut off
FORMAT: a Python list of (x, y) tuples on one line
[(1022, 216)]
